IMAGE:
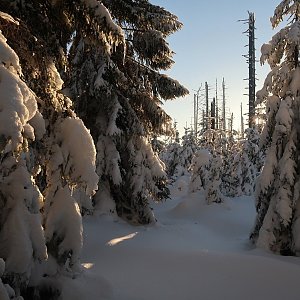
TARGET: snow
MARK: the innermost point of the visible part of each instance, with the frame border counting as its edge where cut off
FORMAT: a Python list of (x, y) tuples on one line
[(21, 235), (108, 159), (268, 169), (64, 221), (112, 128), (200, 161), (7, 55), (296, 234), (284, 206), (3, 292), (99, 82), (104, 203), (14, 113), (293, 35), (294, 85), (202, 158), (8, 18), (266, 237), (18, 104), (38, 123), (102, 12), (15, 242), (146, 167), (53, 73), (194, 251), (76, 140), (2, 267), (284, 114)]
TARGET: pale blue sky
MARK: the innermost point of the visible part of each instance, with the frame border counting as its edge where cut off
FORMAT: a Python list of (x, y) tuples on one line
[(211, 45)]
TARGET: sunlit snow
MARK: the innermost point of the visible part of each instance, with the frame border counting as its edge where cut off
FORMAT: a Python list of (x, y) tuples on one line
[(195, 251), (116, 241)]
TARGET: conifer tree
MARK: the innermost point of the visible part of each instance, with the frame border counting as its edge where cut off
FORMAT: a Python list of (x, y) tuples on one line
[(188, 149), (200, 171), (157, 145), (231, 167), (231, 183), (178, 157), (277, 224), (40, 167), (172, 160), (253, 149), (251, 161), (119, 89), (206, 169), (212, 190)]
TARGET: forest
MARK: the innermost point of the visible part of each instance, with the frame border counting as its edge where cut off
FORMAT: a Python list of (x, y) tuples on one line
[(100, 198)]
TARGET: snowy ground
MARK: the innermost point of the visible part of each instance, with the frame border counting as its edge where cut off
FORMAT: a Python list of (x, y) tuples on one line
[(195, 252)]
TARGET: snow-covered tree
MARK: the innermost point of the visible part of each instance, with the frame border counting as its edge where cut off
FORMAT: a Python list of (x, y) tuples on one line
[(188, 149), (251, 147), (231, 167), (157, 145), (6, 292), (239, 170), (212, 189), (118, 87), (178, 157), (251, 160), (206, 169), (248, 174), (40, 167), (172, 160), (231, 183), (200, 171), (21, 236), (213, 140), (47, 154), (277, 224)]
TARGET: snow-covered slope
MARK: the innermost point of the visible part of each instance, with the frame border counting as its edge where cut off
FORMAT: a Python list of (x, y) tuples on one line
[(195, 251)]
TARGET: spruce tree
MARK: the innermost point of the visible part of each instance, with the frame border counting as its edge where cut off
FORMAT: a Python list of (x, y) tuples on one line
[(178, 157), (172, 160), (119, 89), (200, 171), (277, 223), (231, 184), (112, 75), (212, 190), (188, 149), (206, 169), (40, 167), (231, 167), (251, 161)]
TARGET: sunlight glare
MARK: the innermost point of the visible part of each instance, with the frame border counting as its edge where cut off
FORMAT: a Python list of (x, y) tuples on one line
[(87, 265), (116, 241)]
